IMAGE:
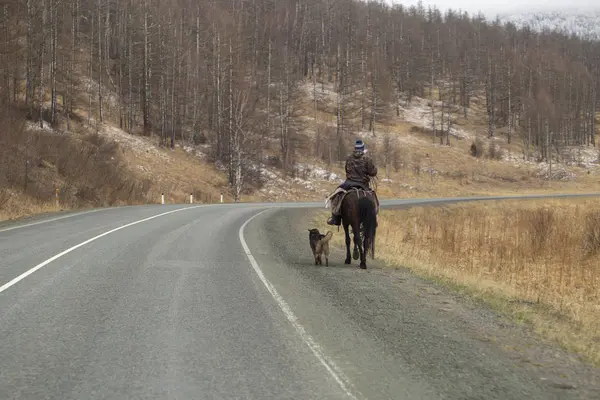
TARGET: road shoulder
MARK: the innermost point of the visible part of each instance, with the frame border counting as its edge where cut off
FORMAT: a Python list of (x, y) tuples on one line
[(441, 343)]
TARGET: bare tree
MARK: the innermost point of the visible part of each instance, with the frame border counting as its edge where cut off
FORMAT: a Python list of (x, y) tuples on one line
[(177, 69)]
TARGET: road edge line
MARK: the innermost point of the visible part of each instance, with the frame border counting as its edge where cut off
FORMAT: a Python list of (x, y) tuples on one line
[(329, 365), (67, 251), (45, 221)]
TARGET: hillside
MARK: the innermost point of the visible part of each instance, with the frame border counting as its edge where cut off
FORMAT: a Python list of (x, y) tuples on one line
[(583, 23), (263, 102)]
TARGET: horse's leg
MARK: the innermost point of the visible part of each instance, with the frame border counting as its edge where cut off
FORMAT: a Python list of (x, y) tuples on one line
[(355, 253), (346, 231), (357, 242), (365, 250)]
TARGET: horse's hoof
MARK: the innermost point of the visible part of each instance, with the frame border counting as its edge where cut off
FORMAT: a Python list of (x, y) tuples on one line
[(355, 255), (363, 266), (348, 261)]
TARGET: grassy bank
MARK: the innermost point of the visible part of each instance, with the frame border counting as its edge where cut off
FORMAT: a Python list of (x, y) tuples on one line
[(536, 260)]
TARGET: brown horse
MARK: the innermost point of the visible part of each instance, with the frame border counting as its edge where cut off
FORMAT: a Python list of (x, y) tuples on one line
[(358, 210)]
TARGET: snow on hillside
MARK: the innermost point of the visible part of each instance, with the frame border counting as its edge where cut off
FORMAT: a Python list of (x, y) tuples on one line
[(419, 113), (585, 24), (314, 172), (35, 126), (559, 172), (137, 144), (310, 183), (324, 92)]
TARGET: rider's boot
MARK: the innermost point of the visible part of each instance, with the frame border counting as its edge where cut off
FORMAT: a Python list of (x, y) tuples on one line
[(334, 220)]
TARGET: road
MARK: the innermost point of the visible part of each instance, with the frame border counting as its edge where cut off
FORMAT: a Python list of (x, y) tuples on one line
[(222, 302)]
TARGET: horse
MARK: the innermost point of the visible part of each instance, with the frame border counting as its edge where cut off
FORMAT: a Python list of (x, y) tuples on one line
[(359, 211)]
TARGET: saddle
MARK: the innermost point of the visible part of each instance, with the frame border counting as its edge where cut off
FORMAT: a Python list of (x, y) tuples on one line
[(339, 194)]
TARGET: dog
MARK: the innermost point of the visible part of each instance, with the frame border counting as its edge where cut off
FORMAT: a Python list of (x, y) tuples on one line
[(319, 245)]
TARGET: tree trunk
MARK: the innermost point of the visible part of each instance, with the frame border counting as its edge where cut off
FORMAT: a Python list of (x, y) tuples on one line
[(42, 59), (509, 77), (54, 44), (146, 90), (100, 110)]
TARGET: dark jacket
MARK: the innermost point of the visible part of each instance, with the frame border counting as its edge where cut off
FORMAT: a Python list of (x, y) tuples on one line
[(360, 168)]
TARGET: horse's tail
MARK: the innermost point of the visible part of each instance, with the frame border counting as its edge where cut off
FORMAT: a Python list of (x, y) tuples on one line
[(368, 217)]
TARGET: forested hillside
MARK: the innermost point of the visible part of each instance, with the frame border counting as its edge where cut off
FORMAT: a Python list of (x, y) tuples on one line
[(583, 23), (234, 74)]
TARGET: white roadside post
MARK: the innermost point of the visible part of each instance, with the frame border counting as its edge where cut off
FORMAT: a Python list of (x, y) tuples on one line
[(191, 198), (162, 198), (221, 197)]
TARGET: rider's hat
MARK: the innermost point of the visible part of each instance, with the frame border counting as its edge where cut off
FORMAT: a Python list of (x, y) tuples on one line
[(359, 145)]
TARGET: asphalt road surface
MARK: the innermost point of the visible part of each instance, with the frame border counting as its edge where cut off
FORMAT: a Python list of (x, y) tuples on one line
[(217, 302)]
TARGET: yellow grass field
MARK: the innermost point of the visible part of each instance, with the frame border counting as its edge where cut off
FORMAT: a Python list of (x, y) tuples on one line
[(537, 260), (16, 205)]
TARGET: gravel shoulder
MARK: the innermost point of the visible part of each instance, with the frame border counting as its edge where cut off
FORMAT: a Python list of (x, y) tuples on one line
[(395, 335)]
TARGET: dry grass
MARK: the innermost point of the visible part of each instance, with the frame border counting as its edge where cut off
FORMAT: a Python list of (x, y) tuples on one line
[(15, 205), (177, 175), (539, 260), (172, 172), (424, 169), (433, 170), (87, 169), (420, 169)]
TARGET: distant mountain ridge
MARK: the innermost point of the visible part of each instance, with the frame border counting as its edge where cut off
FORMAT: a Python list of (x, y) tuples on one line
[(583, 23)]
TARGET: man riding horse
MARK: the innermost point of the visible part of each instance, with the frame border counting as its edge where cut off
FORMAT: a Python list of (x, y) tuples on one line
[(359, 171)]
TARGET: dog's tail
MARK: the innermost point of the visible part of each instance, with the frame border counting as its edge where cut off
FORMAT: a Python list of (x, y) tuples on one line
[(323, 241)]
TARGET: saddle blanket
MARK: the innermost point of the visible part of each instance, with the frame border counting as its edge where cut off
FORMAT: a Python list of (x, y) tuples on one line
[(328, 200), (332, 195)]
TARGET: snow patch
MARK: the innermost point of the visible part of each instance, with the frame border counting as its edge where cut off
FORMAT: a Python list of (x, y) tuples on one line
[(134, 143), (395, 138), (584, 157), (581, 157), (325, 92), (306, 184), (196, 152), (559, 173), (418, 112), (430, 170), (220, 166), (583, 23), (517, 160), (319, 173), (35, 126), (109, 97), (407, 186)]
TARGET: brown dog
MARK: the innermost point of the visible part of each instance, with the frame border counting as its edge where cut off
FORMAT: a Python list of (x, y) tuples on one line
[(319, 244)]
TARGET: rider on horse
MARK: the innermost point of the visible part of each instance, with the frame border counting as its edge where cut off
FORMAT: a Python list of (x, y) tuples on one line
[(359, 170)]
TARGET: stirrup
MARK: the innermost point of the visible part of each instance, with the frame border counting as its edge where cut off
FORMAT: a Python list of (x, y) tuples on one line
[(334, 221)]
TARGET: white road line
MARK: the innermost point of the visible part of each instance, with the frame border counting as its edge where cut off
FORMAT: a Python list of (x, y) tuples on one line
[(52, 219), (333, 369), (48, 261)]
